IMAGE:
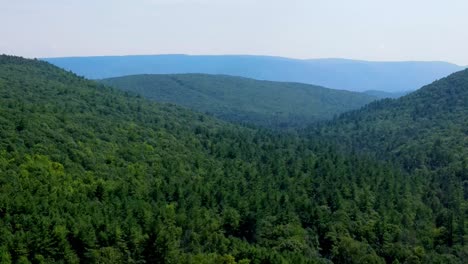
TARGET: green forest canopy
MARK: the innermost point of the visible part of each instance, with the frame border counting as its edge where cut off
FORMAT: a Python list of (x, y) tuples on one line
[(426, 130), (95, 175)]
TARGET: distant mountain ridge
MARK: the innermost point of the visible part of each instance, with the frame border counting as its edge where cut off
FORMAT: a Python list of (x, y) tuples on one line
[(343, 74), (244, 100)]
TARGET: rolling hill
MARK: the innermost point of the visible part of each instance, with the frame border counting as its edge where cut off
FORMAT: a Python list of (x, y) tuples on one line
[(425, 129), (426, 132), (91, 174), (340, 74), (242, 100)]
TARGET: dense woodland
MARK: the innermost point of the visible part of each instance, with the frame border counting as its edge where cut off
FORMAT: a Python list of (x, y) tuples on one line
[(424, 133), (268, 104), (91, 174), (432, 119)]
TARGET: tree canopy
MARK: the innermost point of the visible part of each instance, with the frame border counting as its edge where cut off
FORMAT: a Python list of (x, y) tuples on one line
[(92, 174)]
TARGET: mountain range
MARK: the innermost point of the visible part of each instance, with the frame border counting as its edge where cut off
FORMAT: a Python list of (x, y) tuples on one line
[(343, 74)]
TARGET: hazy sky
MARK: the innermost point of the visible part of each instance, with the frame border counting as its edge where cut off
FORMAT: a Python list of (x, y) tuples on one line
[(358, 29)]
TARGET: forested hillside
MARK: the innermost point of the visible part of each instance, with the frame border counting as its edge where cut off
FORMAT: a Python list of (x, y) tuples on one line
[(426, 133), (352, 75), (242, 100), (427, 129), (90, 174)]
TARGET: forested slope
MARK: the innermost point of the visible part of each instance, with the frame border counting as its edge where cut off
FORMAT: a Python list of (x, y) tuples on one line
[(93, 175), (426, 133), (242, 100), (427, 129)]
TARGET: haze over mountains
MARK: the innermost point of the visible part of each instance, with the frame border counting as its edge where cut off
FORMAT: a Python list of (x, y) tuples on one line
[(243, 100), (332, 73)]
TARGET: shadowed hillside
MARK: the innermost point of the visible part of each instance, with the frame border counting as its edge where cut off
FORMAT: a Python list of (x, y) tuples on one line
[(425, 129), (242, 100)]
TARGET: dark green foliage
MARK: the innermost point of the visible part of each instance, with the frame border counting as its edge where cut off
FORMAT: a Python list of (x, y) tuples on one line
[(242, 100), (426, 132), (93, 175)]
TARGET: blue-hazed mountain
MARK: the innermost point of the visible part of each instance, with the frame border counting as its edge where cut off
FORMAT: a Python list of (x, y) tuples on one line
[(333, 73), (244, 100)]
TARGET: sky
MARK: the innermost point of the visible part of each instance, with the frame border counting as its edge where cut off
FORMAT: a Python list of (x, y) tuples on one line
[(378, 30)]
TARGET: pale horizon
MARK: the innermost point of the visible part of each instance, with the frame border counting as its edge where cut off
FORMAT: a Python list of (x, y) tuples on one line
[(359, 30), (234, 54)]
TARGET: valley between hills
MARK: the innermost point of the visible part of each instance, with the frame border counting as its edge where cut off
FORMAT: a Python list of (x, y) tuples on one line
[(203, 168)]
